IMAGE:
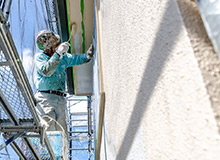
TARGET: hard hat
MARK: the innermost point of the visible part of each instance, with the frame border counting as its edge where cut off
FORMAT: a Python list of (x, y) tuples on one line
[(46, 39)]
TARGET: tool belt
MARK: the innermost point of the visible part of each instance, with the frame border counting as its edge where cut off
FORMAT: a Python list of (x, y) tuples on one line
[(55, 92)]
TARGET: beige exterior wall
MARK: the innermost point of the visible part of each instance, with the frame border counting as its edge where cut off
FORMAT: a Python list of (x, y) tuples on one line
[(208, 60), (82, 73), (159, 105)]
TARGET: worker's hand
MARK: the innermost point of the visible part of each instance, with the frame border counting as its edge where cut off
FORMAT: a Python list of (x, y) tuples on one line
[(90, 52), (63, 48)]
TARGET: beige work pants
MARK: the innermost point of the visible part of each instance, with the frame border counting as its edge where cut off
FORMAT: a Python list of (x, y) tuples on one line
[(53, 106)]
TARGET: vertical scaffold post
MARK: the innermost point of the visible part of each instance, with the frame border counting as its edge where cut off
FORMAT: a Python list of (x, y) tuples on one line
[(70, 131), (89, 128)]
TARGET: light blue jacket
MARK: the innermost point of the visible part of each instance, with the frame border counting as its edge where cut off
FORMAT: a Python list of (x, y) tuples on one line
[(51, 71)]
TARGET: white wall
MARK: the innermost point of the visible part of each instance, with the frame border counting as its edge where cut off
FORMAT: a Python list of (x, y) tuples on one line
[(157, 106)]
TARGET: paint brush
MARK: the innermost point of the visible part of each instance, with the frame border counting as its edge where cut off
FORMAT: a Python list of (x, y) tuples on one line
[(73, 31)]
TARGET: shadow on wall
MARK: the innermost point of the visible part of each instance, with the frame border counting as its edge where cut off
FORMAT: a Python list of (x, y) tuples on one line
[(204, 52), (157, 59), (193, 21)]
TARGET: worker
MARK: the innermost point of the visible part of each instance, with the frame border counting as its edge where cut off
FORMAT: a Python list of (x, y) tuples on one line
[(50, 77)]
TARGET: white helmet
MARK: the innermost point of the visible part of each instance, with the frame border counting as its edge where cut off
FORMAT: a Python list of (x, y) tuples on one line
[(46, 39)]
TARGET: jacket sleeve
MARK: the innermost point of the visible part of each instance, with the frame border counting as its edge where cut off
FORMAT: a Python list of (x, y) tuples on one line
[(75, 59), (47, 67)]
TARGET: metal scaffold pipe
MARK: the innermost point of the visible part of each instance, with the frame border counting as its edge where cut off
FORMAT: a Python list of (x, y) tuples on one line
[(6, 9), (89, 128)]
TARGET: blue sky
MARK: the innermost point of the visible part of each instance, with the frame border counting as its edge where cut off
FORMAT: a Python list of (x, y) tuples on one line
[(27, 18)]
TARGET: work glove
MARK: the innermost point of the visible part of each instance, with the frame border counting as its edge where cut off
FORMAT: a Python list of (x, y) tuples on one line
[(63, 48), (90, 52)]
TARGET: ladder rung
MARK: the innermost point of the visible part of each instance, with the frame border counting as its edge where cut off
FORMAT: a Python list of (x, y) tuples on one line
[(79, 113), (78, 120), (80, 126), (81, 138), (78, 131), (78, 148), (78, 137)]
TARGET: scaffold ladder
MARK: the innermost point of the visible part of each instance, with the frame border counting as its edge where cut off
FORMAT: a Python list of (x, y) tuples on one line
[(80, 128)]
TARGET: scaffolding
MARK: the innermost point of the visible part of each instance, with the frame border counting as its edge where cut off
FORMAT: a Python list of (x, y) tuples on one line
[(18, 119)]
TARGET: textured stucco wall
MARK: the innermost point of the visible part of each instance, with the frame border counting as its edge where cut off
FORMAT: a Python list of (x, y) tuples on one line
[(157, 105), (208, 60)]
